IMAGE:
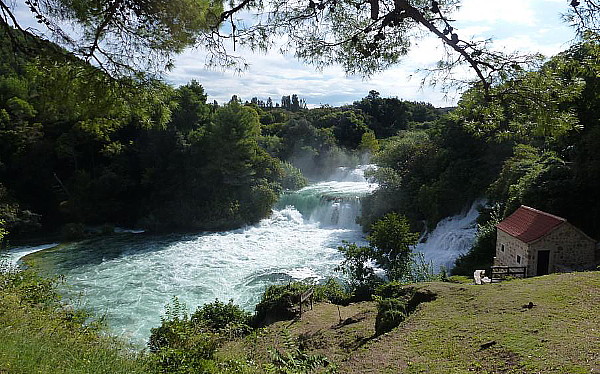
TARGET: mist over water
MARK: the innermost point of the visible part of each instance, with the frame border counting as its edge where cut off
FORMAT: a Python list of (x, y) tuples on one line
[(130, 277)]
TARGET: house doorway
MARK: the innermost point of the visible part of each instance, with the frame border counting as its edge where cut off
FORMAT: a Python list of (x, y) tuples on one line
[(543, 262)]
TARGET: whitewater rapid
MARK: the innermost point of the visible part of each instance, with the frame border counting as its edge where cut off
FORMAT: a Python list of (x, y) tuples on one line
[(453, 236), (130, 278)]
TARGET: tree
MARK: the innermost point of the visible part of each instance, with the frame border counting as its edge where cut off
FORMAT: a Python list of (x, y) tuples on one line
[(191, 111), (361, 36), (390, 115), (390, 247), (368, 143), (392, 241), (356, 265), (121, 36)]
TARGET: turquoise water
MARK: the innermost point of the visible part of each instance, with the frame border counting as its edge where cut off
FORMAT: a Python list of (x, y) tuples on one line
[(130, 277)]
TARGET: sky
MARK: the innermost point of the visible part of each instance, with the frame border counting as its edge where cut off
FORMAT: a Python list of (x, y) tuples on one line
[(525, 25)]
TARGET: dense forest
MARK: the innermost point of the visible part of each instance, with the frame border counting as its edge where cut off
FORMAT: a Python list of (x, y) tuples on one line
[(531, 140), (81, 148)]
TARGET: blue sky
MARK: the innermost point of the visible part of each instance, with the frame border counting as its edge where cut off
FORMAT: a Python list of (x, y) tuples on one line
[(526, 25)]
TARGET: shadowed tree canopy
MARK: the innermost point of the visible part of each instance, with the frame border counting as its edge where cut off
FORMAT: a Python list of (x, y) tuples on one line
[(119, 36), (363, 36)]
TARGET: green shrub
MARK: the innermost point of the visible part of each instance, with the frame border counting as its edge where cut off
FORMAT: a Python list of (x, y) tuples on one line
[(332, 291), (278, 301), (393, 290), (390, 313), (41, 335), (395, 302), (28, 285), (180, 345), (361, 276), (294, 360), (292, 178), (220, 317)]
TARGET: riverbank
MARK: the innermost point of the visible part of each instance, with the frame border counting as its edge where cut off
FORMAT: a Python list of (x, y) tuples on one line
[(468, 328), (545, 324)]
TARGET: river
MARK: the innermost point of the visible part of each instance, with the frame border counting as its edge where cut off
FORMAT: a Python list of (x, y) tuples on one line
[(130, 277)]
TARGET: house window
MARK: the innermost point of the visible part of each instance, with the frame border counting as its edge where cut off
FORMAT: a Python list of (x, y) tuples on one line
[(502, 248), (518, 259)]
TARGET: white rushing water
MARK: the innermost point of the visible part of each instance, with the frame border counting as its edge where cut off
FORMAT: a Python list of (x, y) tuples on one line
[(130, 278), (17, 253), (452, 237)]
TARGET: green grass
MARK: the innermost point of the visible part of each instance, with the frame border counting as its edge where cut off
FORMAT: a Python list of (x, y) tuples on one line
[(560, 334), (37, 335)]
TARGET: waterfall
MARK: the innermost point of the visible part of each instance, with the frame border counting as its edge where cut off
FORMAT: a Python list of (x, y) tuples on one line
[(452, 237), (130, 278)]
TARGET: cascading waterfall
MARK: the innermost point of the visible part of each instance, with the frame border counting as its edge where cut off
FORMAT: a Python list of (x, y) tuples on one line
[(452, 237), (129, 278)]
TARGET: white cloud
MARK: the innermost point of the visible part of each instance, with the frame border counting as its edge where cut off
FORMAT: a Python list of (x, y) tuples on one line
[(526, 25), (529, 26), (505, 11), (275, 75), (527, 43)]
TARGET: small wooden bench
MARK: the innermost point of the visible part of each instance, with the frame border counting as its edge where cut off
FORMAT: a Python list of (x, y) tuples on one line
[(306, 296)]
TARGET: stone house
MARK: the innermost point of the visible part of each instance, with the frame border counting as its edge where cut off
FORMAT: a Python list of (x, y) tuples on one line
[(543, 243)]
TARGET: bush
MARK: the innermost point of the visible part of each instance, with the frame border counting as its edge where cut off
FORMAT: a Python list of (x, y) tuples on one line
[(180, 345), (395, 302), (31, 288), (292, 178), (393, 290), (332, 291), (278, 301), (39, 334), (220, 317), (362, 279), (390, 313), (391, 241), (295, 360)]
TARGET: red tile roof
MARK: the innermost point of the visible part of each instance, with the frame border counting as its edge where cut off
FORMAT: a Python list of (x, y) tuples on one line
[(528, 224)]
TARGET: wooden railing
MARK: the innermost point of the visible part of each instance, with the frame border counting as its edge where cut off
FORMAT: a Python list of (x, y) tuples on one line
[(500, 273)]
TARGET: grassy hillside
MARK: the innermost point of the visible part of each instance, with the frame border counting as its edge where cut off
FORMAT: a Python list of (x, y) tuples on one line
[(38, 335), (468, 328)]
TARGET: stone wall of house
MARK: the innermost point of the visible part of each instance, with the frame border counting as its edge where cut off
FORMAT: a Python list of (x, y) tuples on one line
[(510, 251), (569, 249)]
